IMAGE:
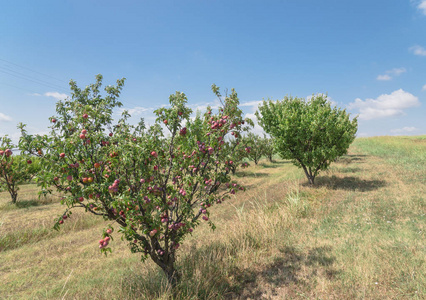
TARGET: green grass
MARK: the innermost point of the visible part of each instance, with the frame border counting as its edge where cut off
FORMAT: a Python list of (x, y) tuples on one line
[(359, 234)]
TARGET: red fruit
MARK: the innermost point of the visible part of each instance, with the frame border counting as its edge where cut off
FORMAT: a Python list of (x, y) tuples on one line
[(153, 232), (109, 231), (97, 165), (53, 120), (81, 199), (84, 179), (29, 161), (180, 113), (85, 116), (165, 122), (84, 131), (90, 179), (110, 134), (1, 152), (153, 153), (107, 239), (69, 177), (61, 222), (62, 155), (82, 136), (64, 217)]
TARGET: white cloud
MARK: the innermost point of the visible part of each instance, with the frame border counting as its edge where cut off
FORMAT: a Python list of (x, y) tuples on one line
[(56, 95), (384, 77), (251, 103), (137, 110), (257, 129), (418, 50), (397, 71), (404, 129), (422, 6), (203, 106), (386, 105), (389, 73), (4, 117), (424, 88)]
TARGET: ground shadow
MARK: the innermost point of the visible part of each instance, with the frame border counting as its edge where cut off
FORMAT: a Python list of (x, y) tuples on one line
[(350, 158), (251, 174), (290, 267), (349, 170), (293, 267), (349, 183), (275, 164), (20, 204)]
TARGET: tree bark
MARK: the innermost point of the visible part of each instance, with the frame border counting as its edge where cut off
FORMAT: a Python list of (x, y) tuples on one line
[(14, 197), (311, 178), (172, 274)]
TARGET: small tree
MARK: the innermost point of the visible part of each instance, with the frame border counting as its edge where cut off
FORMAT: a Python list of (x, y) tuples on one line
[(14, 169), (235, 148), (310, 133), (157, 188), (268, 147), (255, 147)]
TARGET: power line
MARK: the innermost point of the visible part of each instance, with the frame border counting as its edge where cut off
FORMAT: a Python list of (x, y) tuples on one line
[(17, 87), (41, 83), (32, 78), (33, 71)]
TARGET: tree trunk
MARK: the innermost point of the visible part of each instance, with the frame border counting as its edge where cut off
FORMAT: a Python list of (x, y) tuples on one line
[(172, 274), (14, 196), (308, 175)]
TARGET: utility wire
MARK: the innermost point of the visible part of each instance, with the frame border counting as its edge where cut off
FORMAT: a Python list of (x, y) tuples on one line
[(32, 77), (48, 85), (17, 74), (33, 70), (19, 88)]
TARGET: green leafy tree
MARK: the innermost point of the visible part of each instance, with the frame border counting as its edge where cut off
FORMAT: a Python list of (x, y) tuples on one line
[(235, 148), (255, 147), (268, 147), (156, 187), (15, 170), (310, 133)]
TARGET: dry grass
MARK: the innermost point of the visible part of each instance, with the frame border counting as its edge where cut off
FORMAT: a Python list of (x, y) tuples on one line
[(359, 234)]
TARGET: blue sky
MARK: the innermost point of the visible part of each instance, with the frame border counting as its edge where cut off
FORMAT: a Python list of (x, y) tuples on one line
[(368, 56)]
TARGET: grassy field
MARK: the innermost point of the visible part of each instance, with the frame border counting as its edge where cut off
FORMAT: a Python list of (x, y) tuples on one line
[(359, 234)]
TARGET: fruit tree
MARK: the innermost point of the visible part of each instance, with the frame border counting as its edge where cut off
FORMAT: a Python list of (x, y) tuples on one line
[(156, 184), (309, 132)]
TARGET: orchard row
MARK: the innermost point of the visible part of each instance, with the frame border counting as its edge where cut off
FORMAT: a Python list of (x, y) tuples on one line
[(158, 186)]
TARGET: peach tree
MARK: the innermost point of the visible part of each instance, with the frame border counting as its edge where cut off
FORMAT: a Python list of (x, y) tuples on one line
[(255, 145), (268, 147), (156, 184), (15, 170), (311, 133), (235, 149)]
